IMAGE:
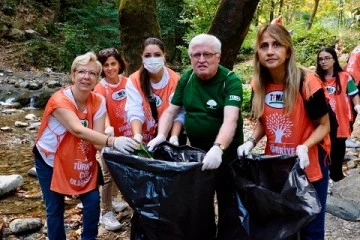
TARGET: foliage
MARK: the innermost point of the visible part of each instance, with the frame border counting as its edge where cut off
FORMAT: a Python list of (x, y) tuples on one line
[(309, 42), (46, 49), (246, 104)]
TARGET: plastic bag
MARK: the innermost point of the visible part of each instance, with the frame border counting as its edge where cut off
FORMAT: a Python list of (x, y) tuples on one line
[(274, 196), (170, 196)]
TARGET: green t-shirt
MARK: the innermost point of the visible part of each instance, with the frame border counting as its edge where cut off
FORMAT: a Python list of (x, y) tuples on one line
[(204, 103)]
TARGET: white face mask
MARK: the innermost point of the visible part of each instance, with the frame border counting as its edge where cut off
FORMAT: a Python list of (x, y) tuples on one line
[(153, 64)]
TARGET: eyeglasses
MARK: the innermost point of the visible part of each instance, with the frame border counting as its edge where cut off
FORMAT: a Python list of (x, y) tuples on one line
[(206, 55), (325, 59), (82, 73), (108, 51)]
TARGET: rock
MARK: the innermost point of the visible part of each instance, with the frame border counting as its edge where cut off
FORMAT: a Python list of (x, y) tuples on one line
[(9, 183), (32, 172), (21, 124), (12, 111), (343, 209), (25, 225), (31, 117), (6, 129), (348, 188), (34, 126)]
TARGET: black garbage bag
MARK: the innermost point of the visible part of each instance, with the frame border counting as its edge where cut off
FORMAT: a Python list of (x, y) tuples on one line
[(171, 197), (274, 196)]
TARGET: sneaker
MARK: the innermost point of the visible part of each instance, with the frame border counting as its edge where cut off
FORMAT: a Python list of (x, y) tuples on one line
[(351, 143), (119, 206), (109, 221)]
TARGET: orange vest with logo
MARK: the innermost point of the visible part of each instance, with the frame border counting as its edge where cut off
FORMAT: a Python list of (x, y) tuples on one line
[(285, 132), (353, 65), (340, 104), (115, 106), (75, 166), (163, 98)]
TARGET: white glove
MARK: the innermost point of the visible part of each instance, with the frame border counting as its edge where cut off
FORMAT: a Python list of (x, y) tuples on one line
[(109, 131), (156, 141), (174, 140), (138, 137), (244, 149), (357, 108), (212, 159), (124, 144), (302, 153)]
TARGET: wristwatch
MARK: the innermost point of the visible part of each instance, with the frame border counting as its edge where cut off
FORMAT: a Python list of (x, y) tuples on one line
[(222, 147)]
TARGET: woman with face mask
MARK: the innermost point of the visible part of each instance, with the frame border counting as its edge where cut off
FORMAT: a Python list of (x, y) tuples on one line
[(149, 91)]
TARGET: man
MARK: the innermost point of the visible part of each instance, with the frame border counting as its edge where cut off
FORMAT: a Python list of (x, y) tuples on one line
[(353, 67), (211, 96)]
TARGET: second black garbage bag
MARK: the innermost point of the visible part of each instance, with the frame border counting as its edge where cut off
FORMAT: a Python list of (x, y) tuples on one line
[(170, 196), (275, 195)]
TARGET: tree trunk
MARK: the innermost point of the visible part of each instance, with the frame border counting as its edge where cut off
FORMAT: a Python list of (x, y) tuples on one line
[(137, 22), (313, 14), (230, 25)]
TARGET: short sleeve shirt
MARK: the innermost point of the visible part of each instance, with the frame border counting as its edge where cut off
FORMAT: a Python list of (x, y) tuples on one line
[(204, 102)]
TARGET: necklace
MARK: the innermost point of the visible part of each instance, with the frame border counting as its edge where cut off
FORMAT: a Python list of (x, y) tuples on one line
[(80, 107)]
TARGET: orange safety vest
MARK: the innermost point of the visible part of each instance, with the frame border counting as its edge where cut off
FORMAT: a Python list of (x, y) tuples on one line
[(163, 98), (340, 104), (75, 166), (115, 106), (353, 65), (285, 132)]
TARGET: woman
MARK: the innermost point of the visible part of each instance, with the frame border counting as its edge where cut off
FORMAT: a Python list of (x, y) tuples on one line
[(70, 133), (112, 87), (341, 88), (149, 92), (286, 115)]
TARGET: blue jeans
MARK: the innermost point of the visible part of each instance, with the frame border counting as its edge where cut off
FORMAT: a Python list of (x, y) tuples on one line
[(315, 230), (55, 206)]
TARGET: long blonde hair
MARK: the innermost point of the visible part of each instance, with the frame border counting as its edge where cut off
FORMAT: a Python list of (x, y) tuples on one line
[(262, 75)]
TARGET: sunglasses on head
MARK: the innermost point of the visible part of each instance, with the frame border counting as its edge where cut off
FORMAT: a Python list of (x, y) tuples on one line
[(107, 51)]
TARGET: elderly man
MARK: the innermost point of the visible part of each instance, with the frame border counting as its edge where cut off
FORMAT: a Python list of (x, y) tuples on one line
[(211, 96)]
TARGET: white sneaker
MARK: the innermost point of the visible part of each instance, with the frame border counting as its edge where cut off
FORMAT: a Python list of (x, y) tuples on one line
[(351, 143), (119, 206), (109, 221)]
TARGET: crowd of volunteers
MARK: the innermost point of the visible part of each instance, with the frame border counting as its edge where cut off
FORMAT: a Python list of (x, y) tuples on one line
[(104, 108)]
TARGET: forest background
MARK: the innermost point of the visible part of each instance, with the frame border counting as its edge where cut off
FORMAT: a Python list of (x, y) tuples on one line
[(67, 28)]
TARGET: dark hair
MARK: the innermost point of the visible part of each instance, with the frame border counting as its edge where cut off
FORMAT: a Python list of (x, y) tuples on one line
[(337, 68), (144, 74), (104, 54)]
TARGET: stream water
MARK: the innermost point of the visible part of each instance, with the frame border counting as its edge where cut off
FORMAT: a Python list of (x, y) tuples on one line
[(16, 158)]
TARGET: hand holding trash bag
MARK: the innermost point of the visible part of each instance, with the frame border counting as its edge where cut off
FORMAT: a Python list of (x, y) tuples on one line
[(124, 144), (174, 140), (160, 138), (302, 152), (244, 149), (213, 158)]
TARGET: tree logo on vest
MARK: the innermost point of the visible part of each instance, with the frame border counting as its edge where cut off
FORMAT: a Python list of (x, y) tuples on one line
[(330, 89), (279, 125), (158, 100), (119, 95), (84, 122), (211, 104), (275, 99)]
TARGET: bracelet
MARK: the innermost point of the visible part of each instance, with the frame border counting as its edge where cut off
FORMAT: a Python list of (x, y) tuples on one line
[(107, 142), (253, 140)]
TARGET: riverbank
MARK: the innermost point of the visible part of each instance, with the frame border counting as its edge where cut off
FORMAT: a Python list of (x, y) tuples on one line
[(16, 156)]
